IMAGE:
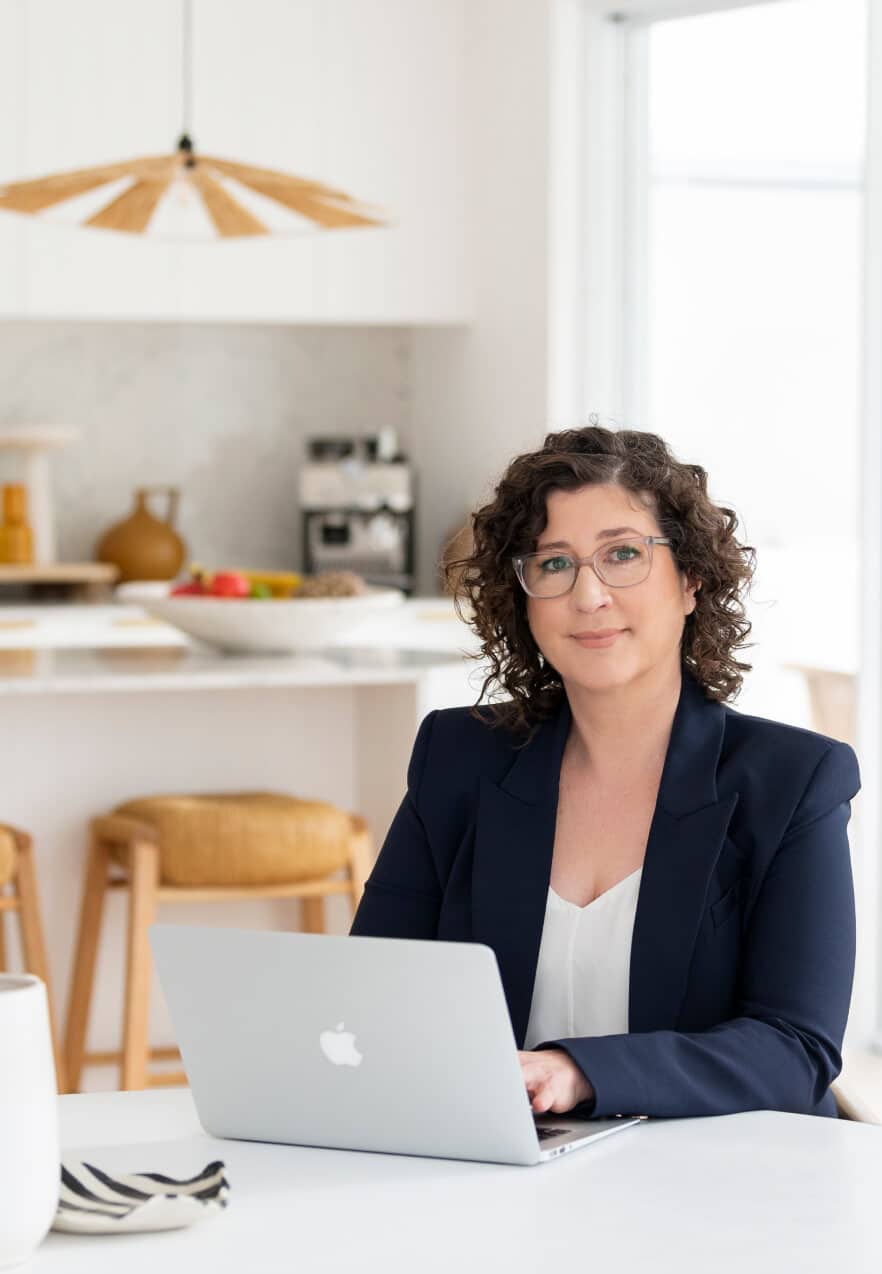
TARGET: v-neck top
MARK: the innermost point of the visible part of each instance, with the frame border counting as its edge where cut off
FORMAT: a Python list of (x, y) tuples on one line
[(583, 971)]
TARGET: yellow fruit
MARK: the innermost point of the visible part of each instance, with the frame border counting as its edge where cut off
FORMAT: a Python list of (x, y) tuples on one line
[(279, 583)]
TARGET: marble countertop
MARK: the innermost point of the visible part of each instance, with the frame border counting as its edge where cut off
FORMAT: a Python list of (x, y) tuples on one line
[(103, 669), (78, 648)]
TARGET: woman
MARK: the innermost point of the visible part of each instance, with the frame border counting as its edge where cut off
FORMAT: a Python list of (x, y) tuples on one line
[(665, 881)]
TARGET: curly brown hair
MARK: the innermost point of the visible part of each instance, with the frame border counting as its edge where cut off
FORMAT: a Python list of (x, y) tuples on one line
[(703, 543)]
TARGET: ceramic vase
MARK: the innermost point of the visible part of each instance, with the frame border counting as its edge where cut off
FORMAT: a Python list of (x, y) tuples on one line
[(145, 547)]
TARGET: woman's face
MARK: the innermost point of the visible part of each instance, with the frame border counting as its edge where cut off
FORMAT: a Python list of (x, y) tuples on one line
[(648, 617)]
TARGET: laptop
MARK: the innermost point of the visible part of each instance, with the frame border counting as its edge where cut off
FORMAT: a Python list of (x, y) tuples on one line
[(381, 1044)]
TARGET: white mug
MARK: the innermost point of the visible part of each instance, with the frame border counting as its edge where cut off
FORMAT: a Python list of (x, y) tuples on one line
[(29, 1152)]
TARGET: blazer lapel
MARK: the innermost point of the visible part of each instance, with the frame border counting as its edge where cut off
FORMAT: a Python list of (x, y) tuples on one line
[(685, 838), (514, 840)]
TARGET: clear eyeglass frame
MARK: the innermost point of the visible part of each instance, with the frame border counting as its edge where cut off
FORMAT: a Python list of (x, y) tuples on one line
[(521, 559)]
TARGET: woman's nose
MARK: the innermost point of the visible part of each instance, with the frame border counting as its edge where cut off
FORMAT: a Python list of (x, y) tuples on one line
[(589, 591)]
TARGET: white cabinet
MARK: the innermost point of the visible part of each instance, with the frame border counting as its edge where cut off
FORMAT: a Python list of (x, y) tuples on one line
[(12, 231), (363, 95), (98, 88), (391, 89)]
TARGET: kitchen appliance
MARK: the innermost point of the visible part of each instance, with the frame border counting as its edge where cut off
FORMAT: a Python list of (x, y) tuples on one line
[(357, 502)]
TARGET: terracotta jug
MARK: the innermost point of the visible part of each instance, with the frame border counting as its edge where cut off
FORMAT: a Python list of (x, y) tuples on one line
[(144, 546)]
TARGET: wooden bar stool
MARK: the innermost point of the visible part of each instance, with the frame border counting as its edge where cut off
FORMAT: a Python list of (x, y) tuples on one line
[(18, 893), (211, 848)]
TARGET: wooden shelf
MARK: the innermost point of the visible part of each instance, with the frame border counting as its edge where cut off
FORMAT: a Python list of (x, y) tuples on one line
[(60, 573), (65, 581)]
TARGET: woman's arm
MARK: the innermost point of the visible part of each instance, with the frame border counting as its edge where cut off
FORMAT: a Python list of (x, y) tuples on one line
[(782, 1051), (402, 896)]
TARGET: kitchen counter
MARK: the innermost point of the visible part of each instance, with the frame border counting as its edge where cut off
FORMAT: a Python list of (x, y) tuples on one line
[(122, 669), (104, 649)]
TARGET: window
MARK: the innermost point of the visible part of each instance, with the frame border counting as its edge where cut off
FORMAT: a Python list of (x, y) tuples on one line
[(728, 302), (746, 313)]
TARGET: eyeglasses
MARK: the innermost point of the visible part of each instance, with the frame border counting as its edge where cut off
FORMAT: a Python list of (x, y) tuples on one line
[(620, 564)]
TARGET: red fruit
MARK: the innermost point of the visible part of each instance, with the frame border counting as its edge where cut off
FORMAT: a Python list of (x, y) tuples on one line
[(193, 588), (229, 584)]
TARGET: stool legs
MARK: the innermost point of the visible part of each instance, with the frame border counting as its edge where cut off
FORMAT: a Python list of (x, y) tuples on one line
[(143, 887), (80, 1001), (33, 946), (361, 858), (312, 915)]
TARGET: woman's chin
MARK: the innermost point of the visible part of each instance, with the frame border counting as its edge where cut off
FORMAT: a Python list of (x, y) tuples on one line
[(605, 675)]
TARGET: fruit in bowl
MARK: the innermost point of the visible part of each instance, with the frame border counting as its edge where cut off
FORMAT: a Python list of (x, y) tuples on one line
[(332, 584), (238, 584), (279, 612)]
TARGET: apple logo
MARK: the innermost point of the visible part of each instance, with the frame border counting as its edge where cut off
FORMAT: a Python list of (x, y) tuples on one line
[(338, 1047)]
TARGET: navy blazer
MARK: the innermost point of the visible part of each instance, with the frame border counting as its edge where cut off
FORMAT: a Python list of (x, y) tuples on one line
[(742, 953)]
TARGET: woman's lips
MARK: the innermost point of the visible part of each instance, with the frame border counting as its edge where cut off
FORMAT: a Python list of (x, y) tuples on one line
[(597, 640)]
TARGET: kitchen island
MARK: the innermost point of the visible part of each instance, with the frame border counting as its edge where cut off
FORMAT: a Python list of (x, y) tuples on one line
[(101, 704)]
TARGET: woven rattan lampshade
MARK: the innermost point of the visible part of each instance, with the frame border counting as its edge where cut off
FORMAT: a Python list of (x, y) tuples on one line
[(187, 195), (220, 197)]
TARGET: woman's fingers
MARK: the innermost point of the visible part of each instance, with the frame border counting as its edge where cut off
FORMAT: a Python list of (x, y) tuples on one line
[(542, 1101), (539, 1082), (542, 1096), (547, 1083), (553, 1081)]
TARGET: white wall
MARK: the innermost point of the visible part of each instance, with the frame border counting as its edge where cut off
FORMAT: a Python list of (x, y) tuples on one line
[(220, 410), (481, 395)]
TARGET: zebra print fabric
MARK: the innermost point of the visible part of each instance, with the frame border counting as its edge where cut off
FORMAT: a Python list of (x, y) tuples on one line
[(92, 1201)]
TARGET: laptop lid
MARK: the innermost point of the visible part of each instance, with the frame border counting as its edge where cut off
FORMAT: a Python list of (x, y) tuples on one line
[(354, 1043)]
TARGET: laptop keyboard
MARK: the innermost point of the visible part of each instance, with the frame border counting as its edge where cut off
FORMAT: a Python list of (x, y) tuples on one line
[(544, 1133)]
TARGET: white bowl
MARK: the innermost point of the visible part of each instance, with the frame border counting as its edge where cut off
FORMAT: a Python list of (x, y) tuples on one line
[(268, 624)]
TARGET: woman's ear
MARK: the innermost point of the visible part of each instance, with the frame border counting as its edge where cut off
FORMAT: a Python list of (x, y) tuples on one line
[(690, 588)]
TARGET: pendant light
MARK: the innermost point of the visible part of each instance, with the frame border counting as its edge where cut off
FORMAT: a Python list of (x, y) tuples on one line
[(186, 195)]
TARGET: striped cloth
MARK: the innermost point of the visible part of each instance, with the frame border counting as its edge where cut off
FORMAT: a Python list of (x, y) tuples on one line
[(92, 1201)]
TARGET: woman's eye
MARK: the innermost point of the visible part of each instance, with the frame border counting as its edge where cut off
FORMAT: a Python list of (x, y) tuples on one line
[(624, 553), (551, 565)]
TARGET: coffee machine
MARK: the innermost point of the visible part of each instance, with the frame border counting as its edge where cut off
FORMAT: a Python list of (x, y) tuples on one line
[(357, 502)]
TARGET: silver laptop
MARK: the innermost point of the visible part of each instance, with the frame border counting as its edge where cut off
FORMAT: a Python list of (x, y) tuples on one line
[(381, 1044)]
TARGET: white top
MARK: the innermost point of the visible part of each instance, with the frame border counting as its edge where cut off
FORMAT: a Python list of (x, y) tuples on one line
[(583, 973)]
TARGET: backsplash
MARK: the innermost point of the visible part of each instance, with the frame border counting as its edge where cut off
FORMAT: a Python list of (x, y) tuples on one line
[(219, 410)]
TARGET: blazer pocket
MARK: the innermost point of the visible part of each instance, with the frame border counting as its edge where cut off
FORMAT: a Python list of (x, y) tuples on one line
[(725, 906)]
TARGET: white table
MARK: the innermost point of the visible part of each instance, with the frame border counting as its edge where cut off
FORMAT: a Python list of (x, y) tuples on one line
[(748, 1193)]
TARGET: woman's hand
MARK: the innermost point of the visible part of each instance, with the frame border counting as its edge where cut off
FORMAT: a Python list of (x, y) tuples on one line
[(554, 1081)]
